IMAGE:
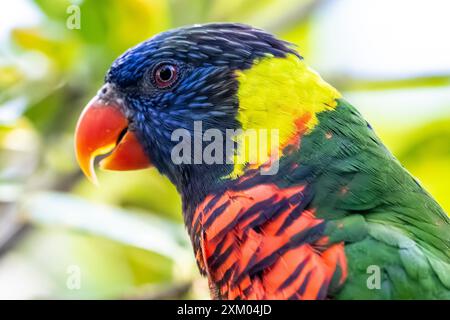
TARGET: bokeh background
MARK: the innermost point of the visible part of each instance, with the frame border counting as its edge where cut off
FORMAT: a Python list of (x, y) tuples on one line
[(61, 237)]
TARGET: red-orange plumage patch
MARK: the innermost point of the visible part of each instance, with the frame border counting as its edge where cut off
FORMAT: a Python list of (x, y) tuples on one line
[(262, 243)]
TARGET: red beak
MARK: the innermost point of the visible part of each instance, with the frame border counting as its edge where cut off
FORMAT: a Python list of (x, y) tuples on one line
[(103, 128)]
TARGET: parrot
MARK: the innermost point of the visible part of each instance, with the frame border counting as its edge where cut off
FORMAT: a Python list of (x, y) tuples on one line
[(329, 214)]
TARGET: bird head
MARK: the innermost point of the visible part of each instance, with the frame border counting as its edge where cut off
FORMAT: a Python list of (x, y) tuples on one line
[(228, 76)]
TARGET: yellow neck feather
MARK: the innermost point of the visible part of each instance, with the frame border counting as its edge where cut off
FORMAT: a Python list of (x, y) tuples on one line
[(275, 93)]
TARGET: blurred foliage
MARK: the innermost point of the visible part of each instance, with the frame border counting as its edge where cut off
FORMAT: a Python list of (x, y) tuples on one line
[(428, 157), (48, 74)]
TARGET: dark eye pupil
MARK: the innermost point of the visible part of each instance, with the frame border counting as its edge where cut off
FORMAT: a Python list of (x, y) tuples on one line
[(165, 73)]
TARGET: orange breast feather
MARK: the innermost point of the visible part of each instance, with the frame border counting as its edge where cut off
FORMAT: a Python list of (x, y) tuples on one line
[(264, 243)]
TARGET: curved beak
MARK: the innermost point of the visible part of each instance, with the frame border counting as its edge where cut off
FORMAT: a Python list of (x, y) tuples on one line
[(101, 129)]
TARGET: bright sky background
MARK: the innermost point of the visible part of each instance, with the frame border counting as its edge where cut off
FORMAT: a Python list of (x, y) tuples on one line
[(16, 13), (379, 38), (387, 39)]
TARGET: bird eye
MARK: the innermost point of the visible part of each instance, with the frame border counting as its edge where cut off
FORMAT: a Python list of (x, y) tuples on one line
[(165, 75)]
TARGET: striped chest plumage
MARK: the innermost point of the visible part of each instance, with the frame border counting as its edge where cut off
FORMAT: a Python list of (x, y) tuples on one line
[(265, 242)]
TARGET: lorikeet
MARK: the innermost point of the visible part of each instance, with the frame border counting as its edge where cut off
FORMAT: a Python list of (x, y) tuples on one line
[(340, 218)]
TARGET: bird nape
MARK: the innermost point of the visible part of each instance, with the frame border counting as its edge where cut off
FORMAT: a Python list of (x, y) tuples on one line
[(319, 209)]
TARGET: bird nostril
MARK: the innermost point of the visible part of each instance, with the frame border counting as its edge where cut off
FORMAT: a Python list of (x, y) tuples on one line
[(107, 93)]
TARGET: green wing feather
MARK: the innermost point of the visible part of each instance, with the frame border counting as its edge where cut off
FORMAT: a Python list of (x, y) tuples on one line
[(384, 216)]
